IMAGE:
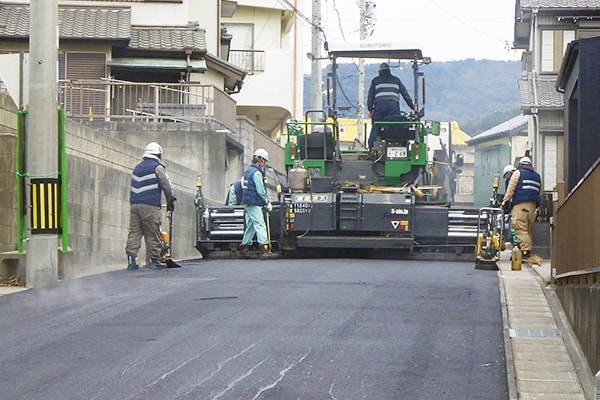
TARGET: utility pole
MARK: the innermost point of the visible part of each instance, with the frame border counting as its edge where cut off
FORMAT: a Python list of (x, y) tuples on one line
[(367, 25), (361, 77), (42, 134), (316, 96)]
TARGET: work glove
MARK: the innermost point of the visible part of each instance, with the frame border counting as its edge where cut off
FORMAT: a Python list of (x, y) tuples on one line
[(269, 207), (171, 205), (505, 207)]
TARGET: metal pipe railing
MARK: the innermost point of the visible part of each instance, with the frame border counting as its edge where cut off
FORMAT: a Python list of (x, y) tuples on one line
[(109, 99)]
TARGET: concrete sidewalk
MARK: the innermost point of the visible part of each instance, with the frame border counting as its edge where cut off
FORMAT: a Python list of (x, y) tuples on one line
[(543, 358)]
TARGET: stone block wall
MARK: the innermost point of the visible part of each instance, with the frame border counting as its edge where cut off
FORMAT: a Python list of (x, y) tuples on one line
[(99, 165), (99, 171), (8, 140)]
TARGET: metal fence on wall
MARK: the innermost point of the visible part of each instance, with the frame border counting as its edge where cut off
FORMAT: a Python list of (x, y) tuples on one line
[(112, 100)]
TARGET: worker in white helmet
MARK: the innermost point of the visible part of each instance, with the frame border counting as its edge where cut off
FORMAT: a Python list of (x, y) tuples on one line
[(254, 198), (509, 232), (148, 181), (523, 194), (507, 173)]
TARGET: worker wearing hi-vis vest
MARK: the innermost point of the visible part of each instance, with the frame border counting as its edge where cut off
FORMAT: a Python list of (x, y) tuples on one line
[(254, 198), (383, 99), (523, 195), (149, 180)]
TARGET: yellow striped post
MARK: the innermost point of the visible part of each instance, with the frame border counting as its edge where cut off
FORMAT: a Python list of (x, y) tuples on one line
[(45, 206)]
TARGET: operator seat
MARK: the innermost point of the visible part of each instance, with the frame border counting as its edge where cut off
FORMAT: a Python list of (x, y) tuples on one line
[(402, 132), (317, 145)]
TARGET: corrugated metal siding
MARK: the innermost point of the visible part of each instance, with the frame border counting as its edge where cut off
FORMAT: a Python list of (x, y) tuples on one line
[(576, 232), (489, 161)]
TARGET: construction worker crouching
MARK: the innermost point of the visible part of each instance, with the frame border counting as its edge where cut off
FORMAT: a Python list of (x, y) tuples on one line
[(523, 195), (254, 198)]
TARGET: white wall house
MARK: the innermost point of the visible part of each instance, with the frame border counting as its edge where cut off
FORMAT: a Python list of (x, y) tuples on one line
[(543, 29), (249, 43), (266, 42)]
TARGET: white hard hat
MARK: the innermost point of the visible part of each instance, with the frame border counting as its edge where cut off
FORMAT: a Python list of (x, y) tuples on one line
[(508, 168), (525, 161), (153, 148), (262, 153)]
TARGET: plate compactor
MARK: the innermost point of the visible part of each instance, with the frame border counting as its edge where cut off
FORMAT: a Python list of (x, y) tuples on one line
[(490, 232)]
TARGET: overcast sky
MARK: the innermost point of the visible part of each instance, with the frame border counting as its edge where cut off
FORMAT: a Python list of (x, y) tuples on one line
[(446, 30)]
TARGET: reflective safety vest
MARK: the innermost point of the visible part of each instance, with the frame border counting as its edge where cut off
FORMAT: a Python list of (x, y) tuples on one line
[(249, 193), (145, 188), (528, 188)]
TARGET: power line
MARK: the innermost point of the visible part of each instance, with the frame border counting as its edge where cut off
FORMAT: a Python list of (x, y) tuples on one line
[(304, 17), (335, 9), (467, 24)]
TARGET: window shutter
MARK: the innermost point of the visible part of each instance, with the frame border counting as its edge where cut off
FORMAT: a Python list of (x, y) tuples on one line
[(85, 98)]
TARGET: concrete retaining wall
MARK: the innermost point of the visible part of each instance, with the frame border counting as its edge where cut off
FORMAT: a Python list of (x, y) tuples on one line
[(99, 169), (100, 158), (8, 140)]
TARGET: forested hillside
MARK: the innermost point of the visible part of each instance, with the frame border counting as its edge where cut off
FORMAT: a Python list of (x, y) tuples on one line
[(478, 94)]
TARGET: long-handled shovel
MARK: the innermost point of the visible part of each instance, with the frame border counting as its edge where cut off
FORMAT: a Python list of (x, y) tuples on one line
[(269, 231), (169, 261)]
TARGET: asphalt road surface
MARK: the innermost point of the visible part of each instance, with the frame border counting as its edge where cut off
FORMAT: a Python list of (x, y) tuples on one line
[(315, 329)]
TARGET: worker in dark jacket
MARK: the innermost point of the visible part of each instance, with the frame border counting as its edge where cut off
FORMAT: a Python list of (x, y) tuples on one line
[(384, 98), (148, 181), (523, 193), (254, 198), (509, 232), (234, 195)]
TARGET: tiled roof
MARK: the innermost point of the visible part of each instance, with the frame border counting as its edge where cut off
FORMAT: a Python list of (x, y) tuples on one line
[(95, 23), (560, 3), (512, 127), (108, 23), (74, 22), (14, 20), (539, 91), (168, 38)]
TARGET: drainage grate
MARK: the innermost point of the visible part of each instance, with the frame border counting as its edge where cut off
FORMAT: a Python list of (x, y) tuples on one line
[(533, 332)]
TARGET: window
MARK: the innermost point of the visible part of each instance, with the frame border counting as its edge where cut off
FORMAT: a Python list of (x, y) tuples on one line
[(242, 45), (554, 44)]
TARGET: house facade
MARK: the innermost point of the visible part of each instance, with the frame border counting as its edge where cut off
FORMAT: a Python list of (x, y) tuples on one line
[(543, 29), (184, 41), (266, 41), (575, 252), (495, 148), (559, 92)]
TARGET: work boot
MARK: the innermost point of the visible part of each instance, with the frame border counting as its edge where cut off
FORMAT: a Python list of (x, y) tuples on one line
[(154, 264), (131, 263), (244, 251), (533, 259), (265, 253)]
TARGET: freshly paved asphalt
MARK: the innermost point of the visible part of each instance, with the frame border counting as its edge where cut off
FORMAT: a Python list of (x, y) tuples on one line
[(247, 329)]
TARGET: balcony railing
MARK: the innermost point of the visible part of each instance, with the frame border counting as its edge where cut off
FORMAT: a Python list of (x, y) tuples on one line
[(249, 60), (111, 100)]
